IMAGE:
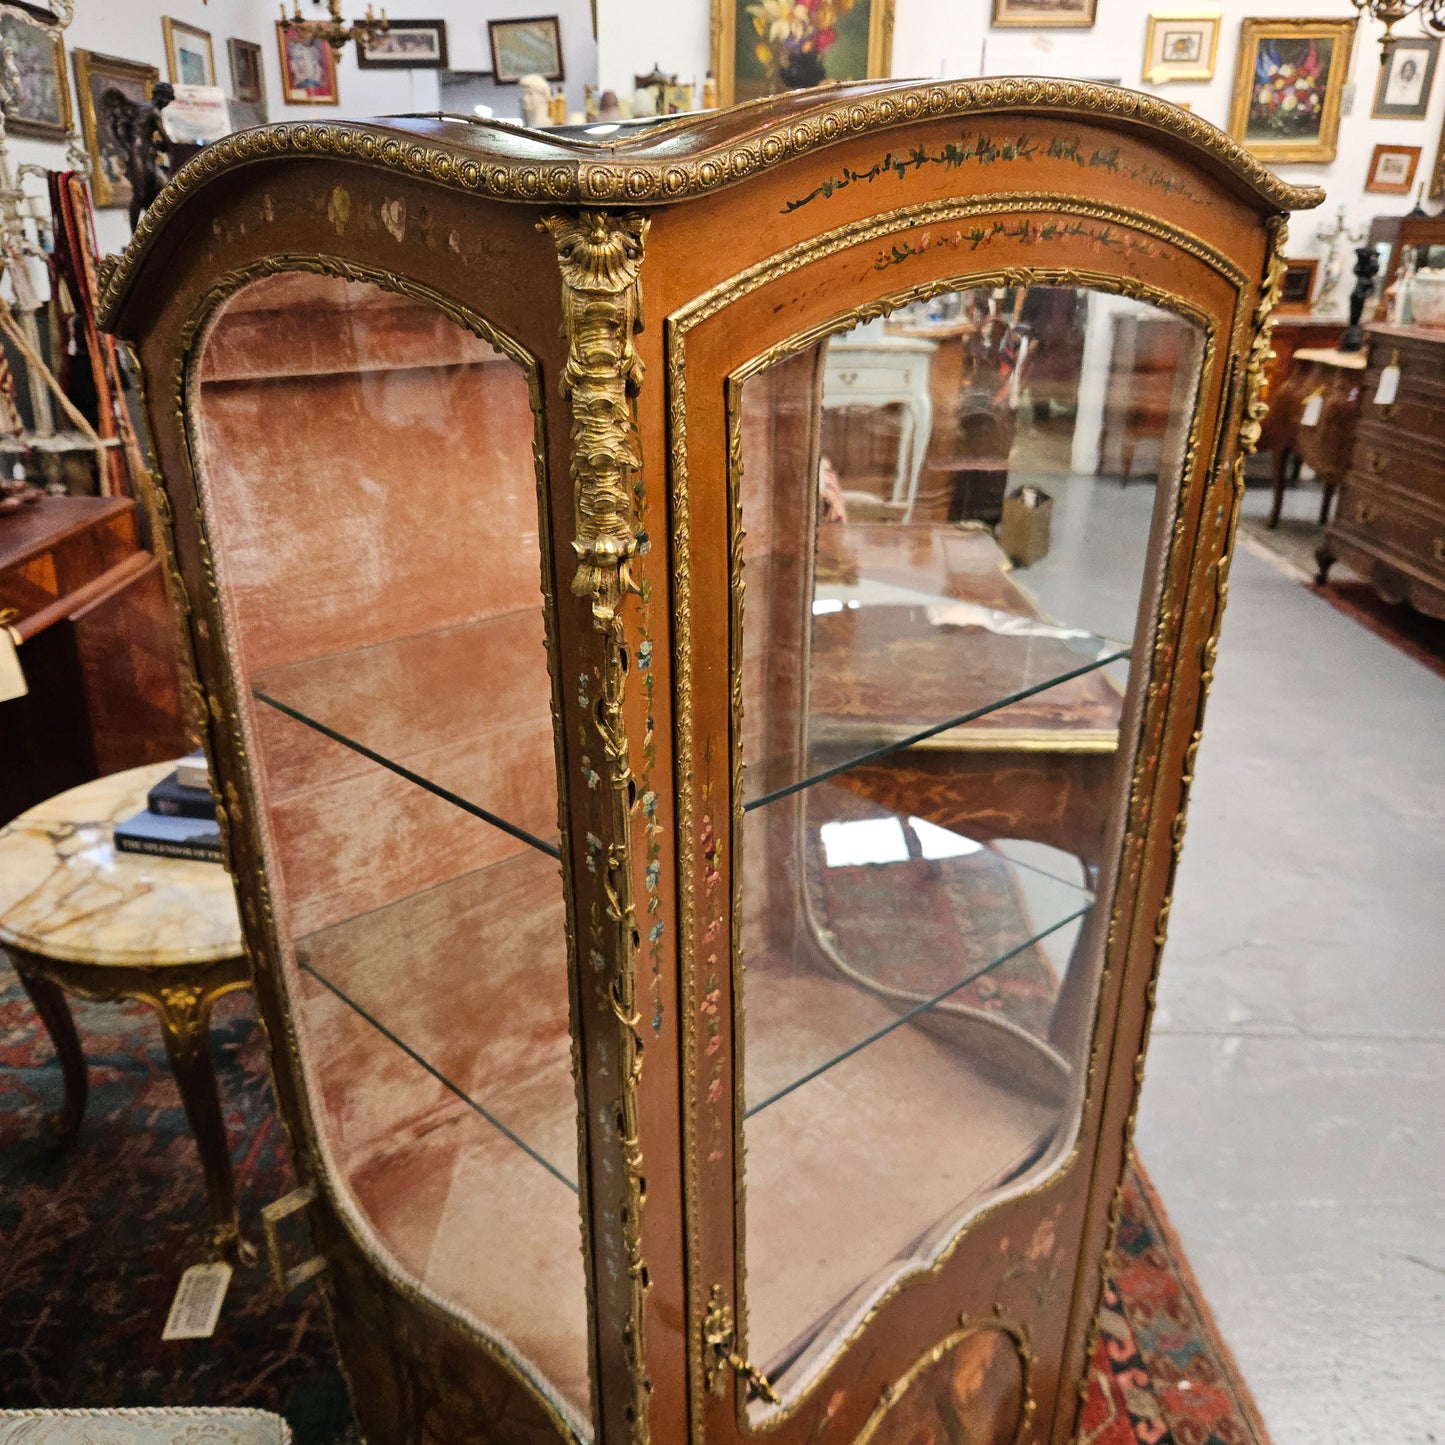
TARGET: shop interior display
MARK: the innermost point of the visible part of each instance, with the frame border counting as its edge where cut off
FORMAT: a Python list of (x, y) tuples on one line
[(704, 903)]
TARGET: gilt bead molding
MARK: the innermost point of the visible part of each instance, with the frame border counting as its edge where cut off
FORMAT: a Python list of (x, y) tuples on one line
[(604, 175)]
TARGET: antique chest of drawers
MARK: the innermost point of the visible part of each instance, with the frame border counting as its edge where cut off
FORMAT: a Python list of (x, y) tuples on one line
[(1390, 521)]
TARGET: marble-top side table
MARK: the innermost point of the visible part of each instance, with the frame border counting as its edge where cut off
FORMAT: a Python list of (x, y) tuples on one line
[(77, 915)]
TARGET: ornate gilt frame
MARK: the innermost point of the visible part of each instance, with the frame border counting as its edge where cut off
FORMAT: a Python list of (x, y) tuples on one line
[(106, 194), (1251, 32)]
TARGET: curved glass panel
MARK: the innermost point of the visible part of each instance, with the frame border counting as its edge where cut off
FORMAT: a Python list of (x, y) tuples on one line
[(948, 520), (371, 501)]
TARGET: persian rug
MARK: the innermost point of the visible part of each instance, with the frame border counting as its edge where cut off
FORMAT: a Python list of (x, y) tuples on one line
[(93, 1240)]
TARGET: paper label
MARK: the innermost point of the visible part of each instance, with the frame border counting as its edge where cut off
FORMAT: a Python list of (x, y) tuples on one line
[(197, 1305), (1389, 387), (12, 677), (1314, 405)]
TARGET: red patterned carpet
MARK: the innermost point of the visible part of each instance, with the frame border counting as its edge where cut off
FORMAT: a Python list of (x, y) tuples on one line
[(93, 1239)]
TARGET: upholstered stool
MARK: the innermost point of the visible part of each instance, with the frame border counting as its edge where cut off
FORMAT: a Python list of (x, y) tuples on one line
[(77, 915)]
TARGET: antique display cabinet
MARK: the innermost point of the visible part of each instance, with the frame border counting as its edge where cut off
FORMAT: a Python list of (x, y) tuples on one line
[(704, 914)]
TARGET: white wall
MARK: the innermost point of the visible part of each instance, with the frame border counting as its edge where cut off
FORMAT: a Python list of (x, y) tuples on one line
[(952, 38), (132, 29)]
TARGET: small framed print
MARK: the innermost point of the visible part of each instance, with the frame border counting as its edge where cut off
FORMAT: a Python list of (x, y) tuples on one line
[(407, 45), (188, 53), (247, 78), (1044, 14), (1392, 170), (1298, 286), (41, 103), (1180, 47), (526, 47), (1406, 75), (308, 67)]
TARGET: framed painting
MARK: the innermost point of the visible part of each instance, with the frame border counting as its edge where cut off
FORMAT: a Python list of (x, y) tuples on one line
[(1297, 287), (407, 45), (526, 47), (1044, 14), (189, 59), (1406, 75), (308, 67), (248, 80), (1392, 170), (1288, 80), (41, 106), (94, 75), (763, 47), (1181, 47)]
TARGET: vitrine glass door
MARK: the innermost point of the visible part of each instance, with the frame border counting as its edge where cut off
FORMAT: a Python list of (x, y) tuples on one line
[(937, 746), (371, 501)]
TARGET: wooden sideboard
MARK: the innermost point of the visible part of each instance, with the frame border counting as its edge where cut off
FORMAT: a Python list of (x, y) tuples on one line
[(1311, 422), (1390, 521), (97, 645)]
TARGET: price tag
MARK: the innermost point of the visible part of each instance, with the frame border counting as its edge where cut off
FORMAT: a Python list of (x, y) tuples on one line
[(1314, 405), (12, 675), (1389, 387), (197, 1305)]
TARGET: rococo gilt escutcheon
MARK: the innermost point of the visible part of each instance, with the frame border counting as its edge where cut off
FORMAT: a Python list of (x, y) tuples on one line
[(704, 898)]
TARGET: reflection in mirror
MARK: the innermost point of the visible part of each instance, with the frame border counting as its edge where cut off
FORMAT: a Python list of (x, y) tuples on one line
[(948, 518), (371, 503)]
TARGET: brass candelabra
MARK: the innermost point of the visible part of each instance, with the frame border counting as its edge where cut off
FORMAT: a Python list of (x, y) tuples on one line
[(334, 30)]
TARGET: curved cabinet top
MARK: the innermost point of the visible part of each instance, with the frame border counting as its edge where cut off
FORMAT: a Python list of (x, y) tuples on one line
[(657, 163)]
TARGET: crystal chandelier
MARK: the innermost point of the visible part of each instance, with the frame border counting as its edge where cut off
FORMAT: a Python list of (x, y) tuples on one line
[(1390, 12), (334, 30)]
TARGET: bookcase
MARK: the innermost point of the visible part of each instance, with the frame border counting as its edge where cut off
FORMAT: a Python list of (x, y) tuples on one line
[(706, 941)]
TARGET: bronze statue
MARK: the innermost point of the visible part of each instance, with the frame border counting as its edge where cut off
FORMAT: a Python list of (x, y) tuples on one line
[(138, 132)]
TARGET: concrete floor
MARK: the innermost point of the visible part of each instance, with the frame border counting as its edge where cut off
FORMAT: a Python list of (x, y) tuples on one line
[(1293, 1115)]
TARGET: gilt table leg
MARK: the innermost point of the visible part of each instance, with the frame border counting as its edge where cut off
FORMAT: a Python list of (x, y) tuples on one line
[(185, 1010), (55, 1014)]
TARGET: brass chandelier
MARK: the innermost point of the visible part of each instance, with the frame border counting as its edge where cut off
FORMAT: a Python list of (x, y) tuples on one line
[(1390, 12), (334, 30)]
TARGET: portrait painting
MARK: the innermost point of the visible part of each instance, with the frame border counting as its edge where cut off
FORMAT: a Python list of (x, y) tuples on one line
[(1180, 47), (308, 68), (1288, 81), (96, 74), (1406, 74), (764, 47), (248, 81), (42, 100)]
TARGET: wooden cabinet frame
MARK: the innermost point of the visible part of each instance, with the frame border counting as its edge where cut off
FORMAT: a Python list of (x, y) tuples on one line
[(593, 264)]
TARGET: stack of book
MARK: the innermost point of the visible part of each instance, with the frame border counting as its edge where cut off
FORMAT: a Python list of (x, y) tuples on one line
[(180, 817)]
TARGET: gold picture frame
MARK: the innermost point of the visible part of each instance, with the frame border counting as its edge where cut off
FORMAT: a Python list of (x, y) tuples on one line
[(871, 50), (1044, 14), (94, 75), (41, 105), (1288, 79), (1181, 45), (177, 33)]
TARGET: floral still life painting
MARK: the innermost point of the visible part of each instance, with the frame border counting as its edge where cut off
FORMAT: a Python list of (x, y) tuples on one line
[(1288, 82), (763, 47)]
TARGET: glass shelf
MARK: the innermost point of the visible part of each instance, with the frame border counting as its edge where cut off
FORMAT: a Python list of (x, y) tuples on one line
[(469, 980), (902, 922), (439, 709), (888, 670)]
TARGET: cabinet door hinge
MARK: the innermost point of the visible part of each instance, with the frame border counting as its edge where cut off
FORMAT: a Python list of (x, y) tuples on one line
[(720, 1351)]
